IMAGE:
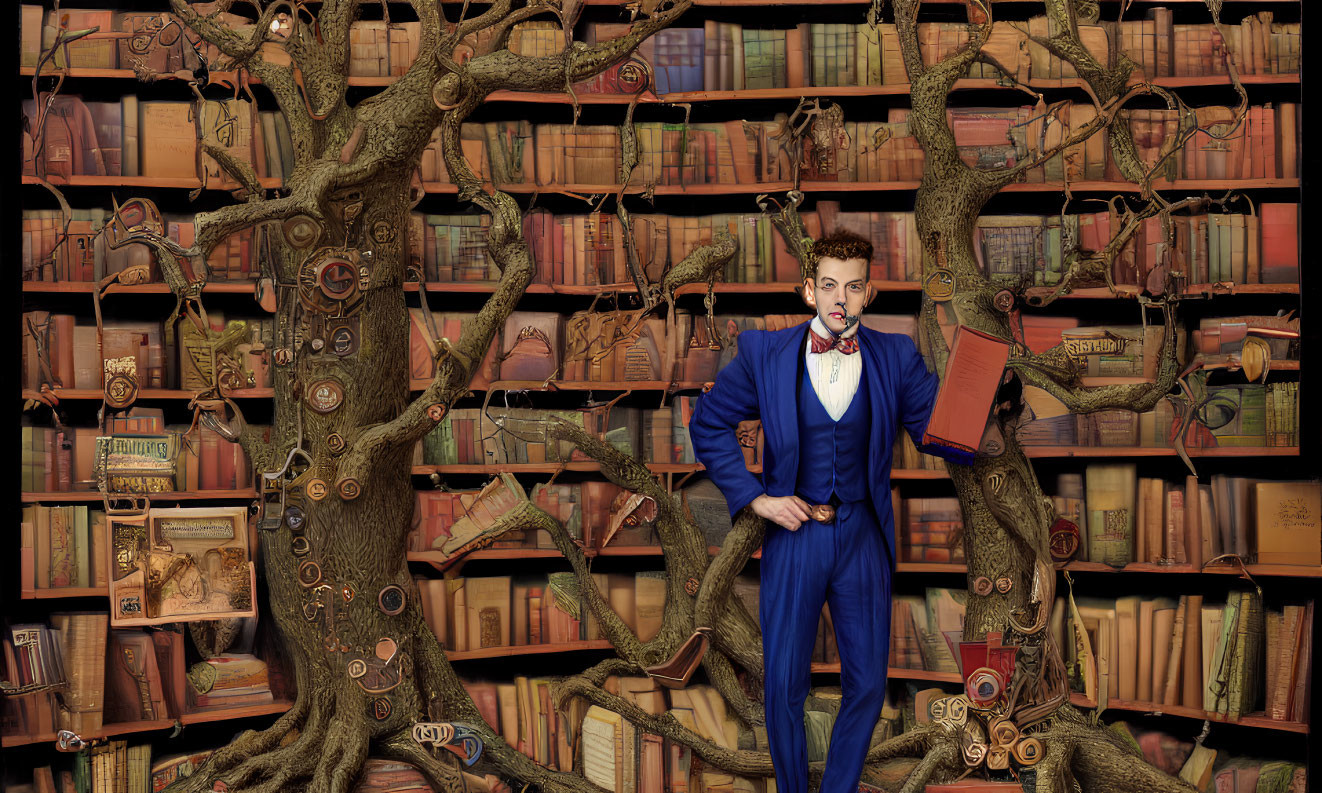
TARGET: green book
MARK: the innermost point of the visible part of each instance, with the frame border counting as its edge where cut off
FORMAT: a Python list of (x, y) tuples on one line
[(1246, 671), (82, 544), (1215, 696)]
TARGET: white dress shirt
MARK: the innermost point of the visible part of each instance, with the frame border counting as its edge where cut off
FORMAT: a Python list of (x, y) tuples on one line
[(834, 375)]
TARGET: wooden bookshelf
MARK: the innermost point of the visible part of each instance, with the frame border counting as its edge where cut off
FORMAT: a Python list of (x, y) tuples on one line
[(73, 496), (1258, 720), (131, 727)]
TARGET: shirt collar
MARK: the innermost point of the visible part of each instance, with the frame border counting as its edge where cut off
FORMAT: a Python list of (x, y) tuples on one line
[(820, 328)]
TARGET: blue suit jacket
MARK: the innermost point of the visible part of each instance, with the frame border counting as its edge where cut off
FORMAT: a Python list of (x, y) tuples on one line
[(760, 382)]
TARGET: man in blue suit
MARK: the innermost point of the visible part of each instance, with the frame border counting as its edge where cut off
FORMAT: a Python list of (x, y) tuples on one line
[(831, 395)]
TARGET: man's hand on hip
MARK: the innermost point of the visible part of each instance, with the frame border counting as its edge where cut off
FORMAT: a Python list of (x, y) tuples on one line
[(788, 511)]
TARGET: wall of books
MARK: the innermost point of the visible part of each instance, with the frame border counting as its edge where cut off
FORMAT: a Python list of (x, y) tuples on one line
[(1164, 630)]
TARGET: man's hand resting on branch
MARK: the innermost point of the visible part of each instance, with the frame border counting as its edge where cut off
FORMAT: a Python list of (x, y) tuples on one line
[(788, 511)]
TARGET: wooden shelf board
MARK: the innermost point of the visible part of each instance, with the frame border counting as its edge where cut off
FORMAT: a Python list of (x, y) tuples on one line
[(1158, 451), (1259, 720), (930, 567), (65, 592), (437, 557), (575, 385), (87, 287), (918, 473), (243, 712), (526, 468), (129, 727), (151, 393), (529, 649), (167, 182), (896, 673), (1282, 570), (177, 495)]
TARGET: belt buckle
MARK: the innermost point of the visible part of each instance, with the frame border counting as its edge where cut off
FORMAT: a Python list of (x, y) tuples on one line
[(823, 513)]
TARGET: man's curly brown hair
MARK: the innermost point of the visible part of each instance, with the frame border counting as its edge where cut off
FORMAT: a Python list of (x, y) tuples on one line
[(839, 244)]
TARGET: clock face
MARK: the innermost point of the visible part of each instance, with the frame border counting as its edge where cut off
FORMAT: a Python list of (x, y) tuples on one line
[(338, 279)]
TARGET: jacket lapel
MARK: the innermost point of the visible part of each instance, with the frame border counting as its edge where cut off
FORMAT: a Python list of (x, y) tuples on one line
[(787, 363), (870, 349)]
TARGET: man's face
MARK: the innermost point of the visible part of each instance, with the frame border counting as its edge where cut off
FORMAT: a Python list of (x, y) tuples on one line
[(838, 282)]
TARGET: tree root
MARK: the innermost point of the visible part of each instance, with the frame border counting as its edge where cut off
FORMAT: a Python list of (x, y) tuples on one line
[(342, 755), (943, 755)]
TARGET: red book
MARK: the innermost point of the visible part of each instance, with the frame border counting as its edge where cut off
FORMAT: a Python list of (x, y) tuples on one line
[(1280, 243), (973, 373), (209, 461), (225, 462)]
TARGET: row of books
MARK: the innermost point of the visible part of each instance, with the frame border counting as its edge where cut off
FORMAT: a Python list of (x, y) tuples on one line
[(65, 460), (1125, 518), (612, 752), (102, 138), (1262, 146), (80, 251), (117, 676), (729, 56), (1234, 658), (1242, 415), (504, 611), (108, 767), (1259, 247), (578, 249), (63, 546), (77, 354), (472, 436), (535, 346)]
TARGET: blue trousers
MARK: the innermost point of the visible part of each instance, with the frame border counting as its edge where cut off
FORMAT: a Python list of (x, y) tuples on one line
[(844, 564)]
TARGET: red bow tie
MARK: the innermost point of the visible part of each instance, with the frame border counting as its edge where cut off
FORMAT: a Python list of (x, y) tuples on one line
[(845, 344)]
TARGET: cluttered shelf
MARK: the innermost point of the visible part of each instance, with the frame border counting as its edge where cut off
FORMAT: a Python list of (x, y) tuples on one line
[(579, 190), (678, 97), (1121, 291), (130, 727)]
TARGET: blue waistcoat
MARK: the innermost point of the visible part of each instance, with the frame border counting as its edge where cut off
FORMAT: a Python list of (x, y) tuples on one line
[(833, 455)]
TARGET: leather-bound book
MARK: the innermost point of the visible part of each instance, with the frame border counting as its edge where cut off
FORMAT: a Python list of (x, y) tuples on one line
[(973, 373)]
